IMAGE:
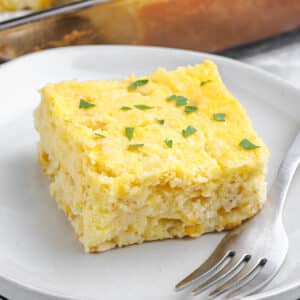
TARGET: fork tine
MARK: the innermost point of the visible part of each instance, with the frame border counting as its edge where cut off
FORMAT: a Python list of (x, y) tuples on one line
[(212, 264), (227, 272), (261, 279), (239, 279)]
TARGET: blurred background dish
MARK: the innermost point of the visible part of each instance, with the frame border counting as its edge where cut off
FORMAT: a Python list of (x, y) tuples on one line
[(205, 25)]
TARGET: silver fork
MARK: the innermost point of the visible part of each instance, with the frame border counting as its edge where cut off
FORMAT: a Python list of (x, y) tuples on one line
[(249, 256)]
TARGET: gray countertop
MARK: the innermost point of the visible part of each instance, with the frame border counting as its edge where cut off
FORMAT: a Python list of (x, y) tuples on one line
[(279, 55)]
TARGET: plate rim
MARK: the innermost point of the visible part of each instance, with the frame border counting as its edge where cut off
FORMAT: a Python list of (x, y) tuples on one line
[(4, 278), (216, 56)]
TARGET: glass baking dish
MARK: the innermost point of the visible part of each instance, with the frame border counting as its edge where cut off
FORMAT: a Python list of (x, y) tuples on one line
[(205, 25)]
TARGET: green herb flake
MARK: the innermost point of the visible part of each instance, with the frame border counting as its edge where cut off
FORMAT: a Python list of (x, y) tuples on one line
[(100, 135), (160, 121), (135, 146), (202, 83), (220, 117), (172, 97), (188, 131), (125, 108), (246, 144), (169, 143), (85, 104), (133, 86), (143, 107), (190, 109), (129, 132), (181, 101)]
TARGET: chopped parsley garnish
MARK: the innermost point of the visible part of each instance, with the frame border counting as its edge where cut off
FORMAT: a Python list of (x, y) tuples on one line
[(85, 104), (246, 144), (129, 132), (188, 131), (143, 107), (125, 108), (169, 143), (135, 145), (181, 101), (99, 134), (172, 97), (136, 84), (220, 117), (190, 109), (160, 121), (202, 83)]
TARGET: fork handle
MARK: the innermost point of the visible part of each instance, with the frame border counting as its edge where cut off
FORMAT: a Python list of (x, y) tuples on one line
[(285, 175)]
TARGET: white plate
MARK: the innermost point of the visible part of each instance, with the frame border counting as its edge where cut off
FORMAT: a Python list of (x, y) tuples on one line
[(39, 255)]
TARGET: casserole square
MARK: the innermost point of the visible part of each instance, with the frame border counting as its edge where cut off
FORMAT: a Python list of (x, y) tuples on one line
[(172, 154)]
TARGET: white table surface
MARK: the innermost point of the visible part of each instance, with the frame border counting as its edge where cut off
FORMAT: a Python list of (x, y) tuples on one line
[(279, 55)]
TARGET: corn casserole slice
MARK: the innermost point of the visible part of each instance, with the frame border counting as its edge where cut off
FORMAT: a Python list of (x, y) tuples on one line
[(169, 155)]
